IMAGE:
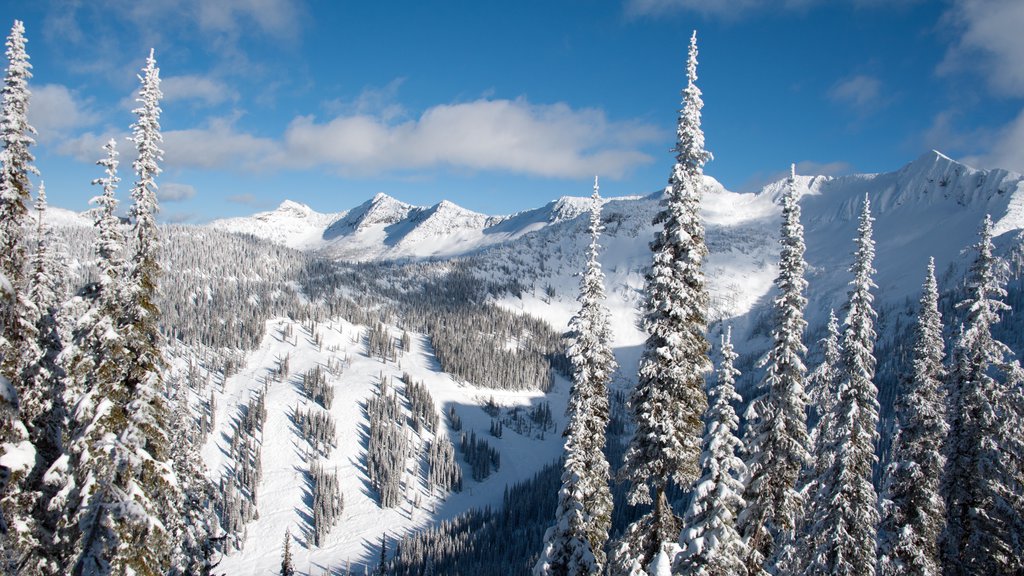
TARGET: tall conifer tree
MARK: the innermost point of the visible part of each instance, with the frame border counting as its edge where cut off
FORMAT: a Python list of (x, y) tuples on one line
[(843, 514), (16, 165), (710, 542), (776, 436), (669, 400), (913, 513), (983, 478), (575, 544)]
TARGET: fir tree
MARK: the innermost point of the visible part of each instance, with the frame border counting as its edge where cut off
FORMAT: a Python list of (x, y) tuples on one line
[(710, 542), (142, 313), (843, 514), (575, 544), (44, 376), (18, 341), (823, 386), (44, 381), (287, 569), (16, 165), (913, 513), (13, 436), (776, 435), (669, 399), (983, 476)]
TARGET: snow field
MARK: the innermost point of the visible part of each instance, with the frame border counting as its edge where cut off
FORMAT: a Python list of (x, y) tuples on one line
[(284, 494)]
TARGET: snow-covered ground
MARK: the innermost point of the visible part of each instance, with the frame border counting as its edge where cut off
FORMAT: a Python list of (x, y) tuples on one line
[(284, 495)]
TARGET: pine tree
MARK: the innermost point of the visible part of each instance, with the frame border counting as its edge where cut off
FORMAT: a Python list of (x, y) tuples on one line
[(142, 313), (16, 165), (18, 340), (823, 386), (669, 399), (287, 569), (44, 379), (843, 514), (710, 542), (149, 414), (82, 482), (983, 476), (575, 544), (913, 513), (122, 488), (12, 434), (776, 435)]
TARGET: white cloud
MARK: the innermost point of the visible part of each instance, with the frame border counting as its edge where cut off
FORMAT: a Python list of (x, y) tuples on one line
[(277, 18), (505, 135), (991, 40), (88, 147), (206, 90), (726, 8), (217, 145), (1006, 150), (245, 199), (54, 110), (860, 92), (733, 9), (510, 135), (382, 102), (175, 192)]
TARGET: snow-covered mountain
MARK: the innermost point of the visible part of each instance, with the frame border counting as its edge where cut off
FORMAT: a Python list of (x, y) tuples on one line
[(933, 206), (384, 228), (930, 207)]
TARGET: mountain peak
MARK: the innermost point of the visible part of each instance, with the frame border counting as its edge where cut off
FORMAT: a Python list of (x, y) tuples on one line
[(293, 207)]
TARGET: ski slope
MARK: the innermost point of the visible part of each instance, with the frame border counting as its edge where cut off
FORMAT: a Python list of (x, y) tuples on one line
[(284, 495)]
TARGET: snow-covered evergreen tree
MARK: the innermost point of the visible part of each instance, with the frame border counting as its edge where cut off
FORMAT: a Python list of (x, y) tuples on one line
[(913, 513), (142, 313), (776, 435), (287, 564), (669, 400), (842, 518), (44, 376), (16, 165), (983, 478), (575, 544), (17, 452), (822, 387), (710, 542), (44, 409), (149, 413), (116, 487), (19, 349)]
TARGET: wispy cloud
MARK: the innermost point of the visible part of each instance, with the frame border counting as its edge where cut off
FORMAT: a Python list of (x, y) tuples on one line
[(246, 199), (201, 89), (175, 192), (735, 9), (55, 110), (861, 92), (990, 41), (1005, 150)]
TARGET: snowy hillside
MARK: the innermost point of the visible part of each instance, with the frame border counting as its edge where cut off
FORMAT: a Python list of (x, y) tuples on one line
[(284, 494)]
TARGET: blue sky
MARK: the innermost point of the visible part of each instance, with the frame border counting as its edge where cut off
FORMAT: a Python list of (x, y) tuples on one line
[(503, 107)]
